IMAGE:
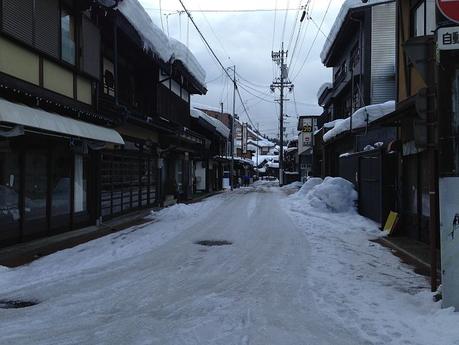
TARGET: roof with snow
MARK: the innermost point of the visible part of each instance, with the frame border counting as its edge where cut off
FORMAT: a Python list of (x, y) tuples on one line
[(347, 6), (154, 39), (219, 126), (360, 119), (323, 88)]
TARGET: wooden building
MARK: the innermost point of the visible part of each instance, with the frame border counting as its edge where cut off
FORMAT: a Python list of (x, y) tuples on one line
[(94, 115), (361, 50)]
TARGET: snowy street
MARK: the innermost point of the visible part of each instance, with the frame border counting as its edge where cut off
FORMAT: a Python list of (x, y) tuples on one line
[(291, 276)]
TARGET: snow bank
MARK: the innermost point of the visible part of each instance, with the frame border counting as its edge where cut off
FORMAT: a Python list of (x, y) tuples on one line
[(155, 39), (334, 194), (345, 8), (308, 185), (363, 286), (360, 119), (292, 187)]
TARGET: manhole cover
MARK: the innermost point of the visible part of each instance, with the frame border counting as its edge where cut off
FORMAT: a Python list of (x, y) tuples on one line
[(209, 243), (16, 304)]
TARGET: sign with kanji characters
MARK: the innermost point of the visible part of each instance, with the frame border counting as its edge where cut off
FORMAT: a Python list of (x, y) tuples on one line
[(448, 38), (450, 9)]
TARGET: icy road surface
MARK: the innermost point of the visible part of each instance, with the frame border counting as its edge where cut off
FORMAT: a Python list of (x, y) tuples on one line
[(153, 285)]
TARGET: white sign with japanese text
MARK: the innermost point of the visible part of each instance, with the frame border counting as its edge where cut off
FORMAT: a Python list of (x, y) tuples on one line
[(448, 38)]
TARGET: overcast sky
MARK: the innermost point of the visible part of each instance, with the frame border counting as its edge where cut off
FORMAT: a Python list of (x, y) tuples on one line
[(246, 40)]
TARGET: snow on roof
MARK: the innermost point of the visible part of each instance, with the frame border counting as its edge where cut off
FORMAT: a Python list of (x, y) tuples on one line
[(155, 39), (219, 126), (336, 28), (183, 54), (360, 118), (322, 89), (262, 143)]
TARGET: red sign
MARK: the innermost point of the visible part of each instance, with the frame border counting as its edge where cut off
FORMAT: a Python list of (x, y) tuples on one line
[(450, 9)]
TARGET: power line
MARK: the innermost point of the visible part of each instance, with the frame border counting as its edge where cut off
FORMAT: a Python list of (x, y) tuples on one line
[(314, 41), (227, 10), (285, 21)]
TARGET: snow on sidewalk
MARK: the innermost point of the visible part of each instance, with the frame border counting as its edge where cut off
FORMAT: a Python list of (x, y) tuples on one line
[(361, 283)]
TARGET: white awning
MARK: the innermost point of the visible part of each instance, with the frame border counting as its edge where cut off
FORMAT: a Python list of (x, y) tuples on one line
[(19, 114)]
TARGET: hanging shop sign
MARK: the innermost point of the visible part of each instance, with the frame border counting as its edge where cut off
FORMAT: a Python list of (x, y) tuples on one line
[(448, 38)]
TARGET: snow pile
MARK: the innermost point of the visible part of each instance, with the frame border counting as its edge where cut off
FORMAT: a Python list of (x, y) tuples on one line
[(308, 186), (292, 187), (360, 118), (155, 39), (334, 194), (336, 28), (178, 211)]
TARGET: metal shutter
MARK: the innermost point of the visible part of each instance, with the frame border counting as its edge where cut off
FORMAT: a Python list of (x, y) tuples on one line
[(383, 48), (90, 48), (47, 26), (18, 19)]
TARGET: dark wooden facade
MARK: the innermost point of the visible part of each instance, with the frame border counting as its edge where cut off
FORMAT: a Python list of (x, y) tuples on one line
[(80, 60)]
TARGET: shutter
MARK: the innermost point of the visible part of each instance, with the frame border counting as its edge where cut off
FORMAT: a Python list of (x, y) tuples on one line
[(90, 48), (383, 50), (47, 26), (18, 19)]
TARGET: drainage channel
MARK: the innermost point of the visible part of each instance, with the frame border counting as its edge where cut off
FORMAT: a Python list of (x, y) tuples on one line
[(214, 243), (16, 304)]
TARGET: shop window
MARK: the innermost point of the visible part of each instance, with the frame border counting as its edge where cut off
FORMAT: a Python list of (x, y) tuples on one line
[(424, 18), (109, 78), (61, 182), (9, 186), (67, 36), (36, 185), (80, 184)]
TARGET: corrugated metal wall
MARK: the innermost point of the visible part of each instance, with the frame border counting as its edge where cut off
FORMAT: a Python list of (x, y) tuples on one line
[(383, 49)]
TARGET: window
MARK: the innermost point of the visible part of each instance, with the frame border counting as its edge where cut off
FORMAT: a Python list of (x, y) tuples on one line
[(424, 18), (109, 78), (67, 37)]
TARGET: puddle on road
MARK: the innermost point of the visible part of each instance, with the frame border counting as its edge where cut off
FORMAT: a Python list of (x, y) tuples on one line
[(16, 304), (214, 243)]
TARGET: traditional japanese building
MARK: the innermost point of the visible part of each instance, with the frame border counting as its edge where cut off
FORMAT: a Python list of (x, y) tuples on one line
[(94, 114)]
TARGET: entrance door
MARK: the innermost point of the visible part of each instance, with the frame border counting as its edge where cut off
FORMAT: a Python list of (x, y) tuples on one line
[(35, 193)]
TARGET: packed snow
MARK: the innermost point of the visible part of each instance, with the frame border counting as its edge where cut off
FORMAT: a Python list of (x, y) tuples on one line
[(301, 270), (339, 21), (361, 118), (360, 282)]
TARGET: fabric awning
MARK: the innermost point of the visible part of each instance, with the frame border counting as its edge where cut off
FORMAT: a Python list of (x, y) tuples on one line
[(19, 114)]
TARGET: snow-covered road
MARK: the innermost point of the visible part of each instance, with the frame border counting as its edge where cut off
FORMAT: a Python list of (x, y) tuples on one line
[(153, 285)]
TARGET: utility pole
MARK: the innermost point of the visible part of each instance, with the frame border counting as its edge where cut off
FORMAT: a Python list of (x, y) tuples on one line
[(280, 83), (258, 149), (232, 129)]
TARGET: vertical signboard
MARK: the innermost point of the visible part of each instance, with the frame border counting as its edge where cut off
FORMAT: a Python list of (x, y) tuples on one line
[(449, 237), (244, 137)]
